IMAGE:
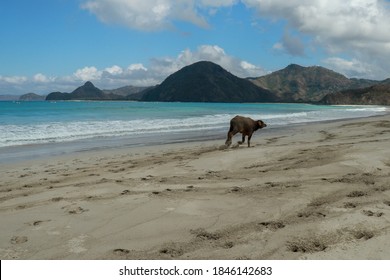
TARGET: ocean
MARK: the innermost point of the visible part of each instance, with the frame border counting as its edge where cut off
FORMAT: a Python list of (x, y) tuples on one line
[(84, 125)]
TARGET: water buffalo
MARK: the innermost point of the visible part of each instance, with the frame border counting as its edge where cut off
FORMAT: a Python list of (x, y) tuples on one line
[(246, 126)]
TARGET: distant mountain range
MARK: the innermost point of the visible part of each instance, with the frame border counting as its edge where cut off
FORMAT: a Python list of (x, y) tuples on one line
[(86, 92), (89, 91), (200, 82), (208, 82), (296, 83)]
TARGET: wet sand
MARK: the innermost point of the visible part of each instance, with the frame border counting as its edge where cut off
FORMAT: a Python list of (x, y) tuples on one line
[(318, 191)]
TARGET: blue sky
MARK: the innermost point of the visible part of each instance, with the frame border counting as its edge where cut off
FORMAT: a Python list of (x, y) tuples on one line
[(57, 45)]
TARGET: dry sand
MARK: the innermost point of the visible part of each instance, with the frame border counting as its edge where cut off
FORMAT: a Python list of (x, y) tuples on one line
[(320, 191)]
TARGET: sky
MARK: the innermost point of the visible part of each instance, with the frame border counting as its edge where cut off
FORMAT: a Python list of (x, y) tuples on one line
[(57, 45)]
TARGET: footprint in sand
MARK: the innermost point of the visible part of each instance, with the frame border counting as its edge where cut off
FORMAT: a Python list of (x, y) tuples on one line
[(228, 245), (120, 252), (149, 177), (19, 239), (370, 213), (356, 194), (235, 189), (308, 214), (189, 188), (77, 210), (272, 225), (37, 223), (349, 205), (74, 210)]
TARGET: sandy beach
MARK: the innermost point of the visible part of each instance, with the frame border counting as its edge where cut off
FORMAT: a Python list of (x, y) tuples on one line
[(316, 191)]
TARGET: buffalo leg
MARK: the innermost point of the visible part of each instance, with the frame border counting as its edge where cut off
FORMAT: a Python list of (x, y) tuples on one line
[(229, 138), (249, 140), (243, 140)]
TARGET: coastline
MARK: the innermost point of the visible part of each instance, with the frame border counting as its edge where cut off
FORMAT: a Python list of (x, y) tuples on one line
[(77, 127), (20, 153), (309, 191)]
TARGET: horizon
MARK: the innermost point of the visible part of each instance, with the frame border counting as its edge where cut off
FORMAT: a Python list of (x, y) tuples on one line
[(59, 45)]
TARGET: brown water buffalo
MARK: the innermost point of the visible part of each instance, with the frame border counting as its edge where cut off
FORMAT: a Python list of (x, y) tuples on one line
[(246, 126)]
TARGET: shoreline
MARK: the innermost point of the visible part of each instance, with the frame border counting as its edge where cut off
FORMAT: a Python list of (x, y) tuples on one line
[(313, 191), (20, 153)]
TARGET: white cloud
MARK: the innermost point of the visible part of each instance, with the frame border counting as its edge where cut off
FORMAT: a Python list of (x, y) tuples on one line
[(40, 78), (88, 74), (150, 15), (136, 67), (351, 68), (114, 70), (13, 79), (335, 22), (145, 14), (135, 74)]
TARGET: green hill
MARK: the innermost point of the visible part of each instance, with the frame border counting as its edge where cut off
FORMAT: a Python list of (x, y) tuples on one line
[(296, 83), (205, 81)]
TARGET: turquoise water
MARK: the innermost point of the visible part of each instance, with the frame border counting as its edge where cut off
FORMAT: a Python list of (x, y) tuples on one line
[(30, 123)]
